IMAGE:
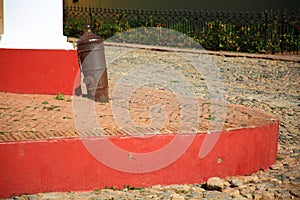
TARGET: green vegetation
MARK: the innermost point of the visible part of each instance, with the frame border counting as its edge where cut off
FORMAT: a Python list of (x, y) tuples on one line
[(211, 118), (60, 96), (266, 35), (128, 187), (52, 107)]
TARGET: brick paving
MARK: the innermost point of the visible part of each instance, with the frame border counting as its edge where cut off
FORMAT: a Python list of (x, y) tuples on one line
[(36, 116)]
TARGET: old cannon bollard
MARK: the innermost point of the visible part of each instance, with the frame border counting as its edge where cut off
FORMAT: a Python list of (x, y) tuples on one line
[(90, 48)]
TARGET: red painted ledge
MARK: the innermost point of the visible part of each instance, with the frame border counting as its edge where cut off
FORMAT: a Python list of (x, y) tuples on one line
[(66, 165), (38, 71)]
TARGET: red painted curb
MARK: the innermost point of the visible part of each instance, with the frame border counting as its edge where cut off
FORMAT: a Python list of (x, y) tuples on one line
[(38, 71), (66, 165)]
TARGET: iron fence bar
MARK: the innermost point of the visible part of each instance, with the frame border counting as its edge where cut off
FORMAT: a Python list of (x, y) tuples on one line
[(274, 30)]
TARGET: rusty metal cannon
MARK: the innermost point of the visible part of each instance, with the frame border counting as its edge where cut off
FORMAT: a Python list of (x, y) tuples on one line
[(90, 48)]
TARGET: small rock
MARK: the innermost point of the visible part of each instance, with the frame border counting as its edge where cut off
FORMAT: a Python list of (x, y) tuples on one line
[(283, 177), (181, 189), (226, 184), (215, 183), (292, 174), (270, 185), (296, 150), (197, 197), (275, 181), (32, 197), (248, 196), (199, 190), (267, 195), (53, 195), (177, 197), (239, 197), (86, 194), (236, 182), (276, 166), (283, 194), (151, 196), (295, 193), (286, 165), (157, 187), (261, 187), (246, 192), (295, 181), (251, 179), (257, 196), (231, 191), (215, 195)]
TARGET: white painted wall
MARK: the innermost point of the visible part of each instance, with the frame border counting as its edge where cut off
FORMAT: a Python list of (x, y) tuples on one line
[(34, 24)]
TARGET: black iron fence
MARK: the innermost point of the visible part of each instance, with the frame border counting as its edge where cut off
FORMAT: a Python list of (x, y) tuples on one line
[(253, 31)]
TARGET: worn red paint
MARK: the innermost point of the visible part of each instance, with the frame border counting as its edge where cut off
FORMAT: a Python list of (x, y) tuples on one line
[(65, 164), (39, 71)]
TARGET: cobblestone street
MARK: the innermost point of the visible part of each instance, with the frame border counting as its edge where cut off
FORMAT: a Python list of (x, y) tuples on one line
[(272, 86)]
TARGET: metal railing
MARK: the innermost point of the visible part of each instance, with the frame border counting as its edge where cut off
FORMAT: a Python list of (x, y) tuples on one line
[(252, 31)]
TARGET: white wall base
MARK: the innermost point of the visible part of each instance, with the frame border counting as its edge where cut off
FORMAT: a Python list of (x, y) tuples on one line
[(34, 24), (11, 42)]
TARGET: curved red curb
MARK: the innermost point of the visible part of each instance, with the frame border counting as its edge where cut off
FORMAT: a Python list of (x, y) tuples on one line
[(38, 71), (66, 165)]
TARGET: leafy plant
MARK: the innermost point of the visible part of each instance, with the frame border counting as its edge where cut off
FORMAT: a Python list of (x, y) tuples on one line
[(268, 34), (73, 26), (211, 118), (60, 96)]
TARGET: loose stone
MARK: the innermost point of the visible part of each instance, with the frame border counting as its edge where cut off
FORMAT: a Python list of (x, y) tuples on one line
[(236, 182), (215, 183), (177, 197), (251, 179), (239, 197), (215, 195), (295, 192), (231, 191), (295, 181)]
